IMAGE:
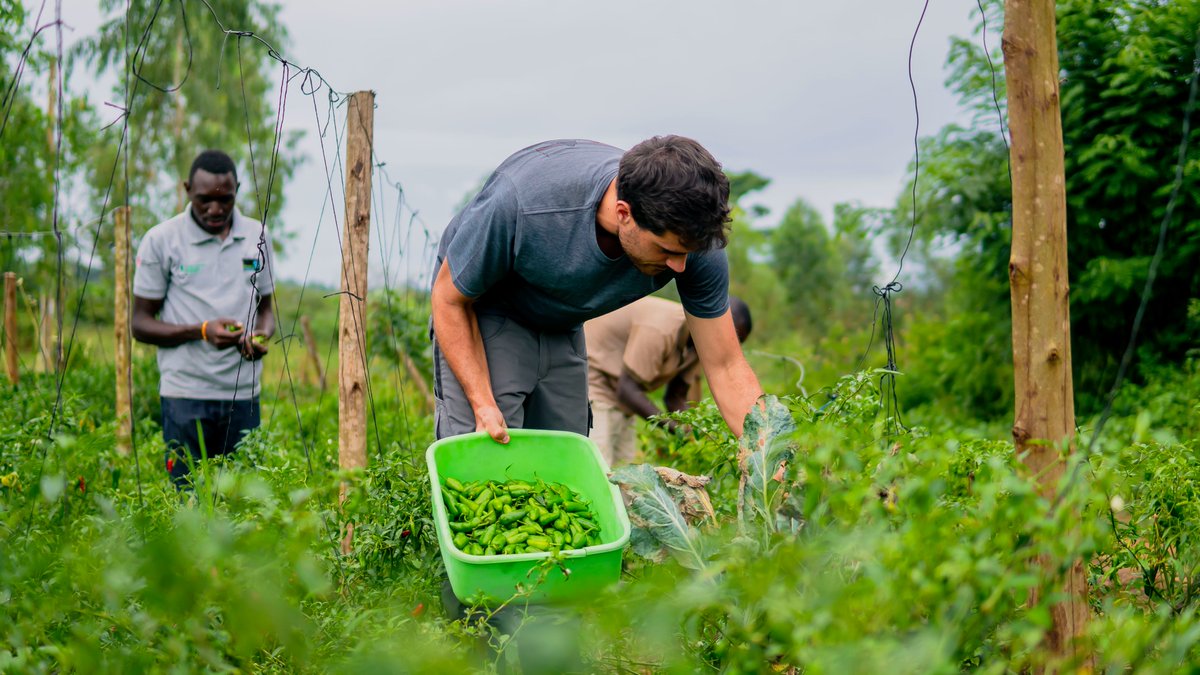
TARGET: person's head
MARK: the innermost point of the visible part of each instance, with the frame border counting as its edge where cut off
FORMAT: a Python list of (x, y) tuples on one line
[(740, 312), (211, 188), (672, 199)]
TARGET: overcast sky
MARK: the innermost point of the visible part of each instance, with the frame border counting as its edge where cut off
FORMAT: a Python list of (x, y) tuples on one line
[(813, 95)]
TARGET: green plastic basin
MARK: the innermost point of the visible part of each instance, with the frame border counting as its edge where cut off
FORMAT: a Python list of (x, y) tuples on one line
[(555, 457)]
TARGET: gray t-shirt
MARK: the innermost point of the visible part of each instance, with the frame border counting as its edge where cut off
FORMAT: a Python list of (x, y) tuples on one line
[(526, 246), (199, 277)]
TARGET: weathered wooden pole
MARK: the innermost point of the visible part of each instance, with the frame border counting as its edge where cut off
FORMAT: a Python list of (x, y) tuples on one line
[(121, 331), (10, 326), (352, 333), (46, 313), (1044, 427), (316, 372), (52, 108)]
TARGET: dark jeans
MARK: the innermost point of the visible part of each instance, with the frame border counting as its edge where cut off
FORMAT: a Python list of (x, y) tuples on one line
[(222, 423)]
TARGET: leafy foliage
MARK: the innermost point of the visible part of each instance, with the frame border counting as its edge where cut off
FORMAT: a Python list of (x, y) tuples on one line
[(762, 455), (194, 88), (30, 148), (659, 526), (1126, 67)]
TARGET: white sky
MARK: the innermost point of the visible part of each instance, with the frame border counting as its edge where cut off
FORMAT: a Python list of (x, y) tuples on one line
[(813, 95)]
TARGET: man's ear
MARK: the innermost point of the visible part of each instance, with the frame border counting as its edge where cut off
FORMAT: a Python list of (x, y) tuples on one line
[(623, 210), (187, 186)]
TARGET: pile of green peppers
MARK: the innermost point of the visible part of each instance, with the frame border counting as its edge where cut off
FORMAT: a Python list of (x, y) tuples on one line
[(491, 518)]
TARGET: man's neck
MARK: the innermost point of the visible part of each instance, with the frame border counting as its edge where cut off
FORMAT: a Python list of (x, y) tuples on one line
[(220, 233), (606, 223)]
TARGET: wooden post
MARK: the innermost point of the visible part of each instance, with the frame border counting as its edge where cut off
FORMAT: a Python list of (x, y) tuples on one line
[(352, 333), (121, 331), (46, 332), (52, 110), (1044, 427), (10, 326), (316, 373)]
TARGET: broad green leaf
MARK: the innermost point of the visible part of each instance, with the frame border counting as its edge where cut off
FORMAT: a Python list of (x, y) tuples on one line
[(659, 527), (763, 450)]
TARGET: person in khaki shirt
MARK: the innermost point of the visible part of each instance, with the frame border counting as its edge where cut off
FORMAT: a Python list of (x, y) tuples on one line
[(633, 351)]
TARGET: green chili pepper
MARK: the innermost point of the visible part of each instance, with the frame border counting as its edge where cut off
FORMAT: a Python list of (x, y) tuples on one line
[(510, 518)]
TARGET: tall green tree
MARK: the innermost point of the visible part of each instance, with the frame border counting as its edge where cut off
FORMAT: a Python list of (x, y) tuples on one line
[(37, 165), (1126, 66), (194, 87), (826, 271), (751, 277)]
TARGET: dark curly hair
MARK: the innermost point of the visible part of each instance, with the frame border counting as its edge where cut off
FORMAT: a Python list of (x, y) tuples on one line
[(214, 162), (673, 183)]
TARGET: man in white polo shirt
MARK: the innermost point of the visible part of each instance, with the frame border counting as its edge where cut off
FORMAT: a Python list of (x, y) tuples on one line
[(202, 295)]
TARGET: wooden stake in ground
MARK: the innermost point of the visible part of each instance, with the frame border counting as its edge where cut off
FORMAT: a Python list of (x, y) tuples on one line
[(315, 372), (121, 333), (10, 326), (52, 109), (352, 329), (1045, 408), (46, 341)]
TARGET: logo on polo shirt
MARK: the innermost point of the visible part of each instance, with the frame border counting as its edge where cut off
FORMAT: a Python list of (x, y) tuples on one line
[(190, 269), (251, 264)]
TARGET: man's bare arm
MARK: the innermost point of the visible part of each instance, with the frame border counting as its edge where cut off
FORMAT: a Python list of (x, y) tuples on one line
[(676, 395), (458, 338), (733, 383), (633, 398), (147, 327)]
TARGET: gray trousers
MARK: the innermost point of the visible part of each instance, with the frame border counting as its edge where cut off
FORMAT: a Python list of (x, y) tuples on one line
[(539, 380)]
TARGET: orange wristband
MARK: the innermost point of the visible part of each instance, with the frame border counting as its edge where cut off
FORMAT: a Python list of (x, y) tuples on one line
[(204, 331)]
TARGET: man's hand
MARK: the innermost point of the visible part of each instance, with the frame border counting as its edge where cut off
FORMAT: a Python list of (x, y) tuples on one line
[(223, 333), (254, 345), (491, 420), (457, 330)]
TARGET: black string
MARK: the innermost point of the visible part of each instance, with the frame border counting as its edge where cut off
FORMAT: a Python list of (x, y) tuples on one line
[(887, 380), (888, 398), (64, 368), (137, 464), (10, 94), (137, 64)]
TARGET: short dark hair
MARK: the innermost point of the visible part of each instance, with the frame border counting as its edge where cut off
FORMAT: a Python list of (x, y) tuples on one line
[(740, 313), (214, 162), (673, 183)]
